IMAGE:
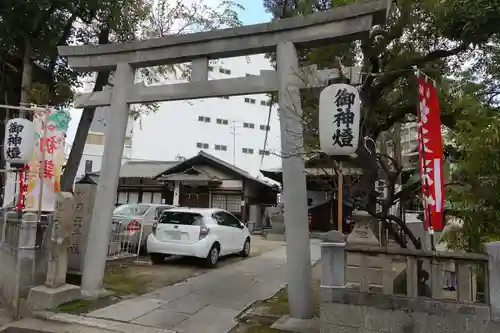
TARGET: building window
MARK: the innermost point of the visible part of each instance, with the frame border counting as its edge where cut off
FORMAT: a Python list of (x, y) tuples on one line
[(248, 125), (88, 166), (249, 100), (220, 147), (265, 103), (265, 128), (247, 151), (202, 145), (225, 71), (222, 121), (248, 74), (210, 68), (264, 152), (225, 97), (204, 119)]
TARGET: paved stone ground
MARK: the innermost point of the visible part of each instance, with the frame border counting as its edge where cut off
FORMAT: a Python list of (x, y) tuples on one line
[(208, 303)]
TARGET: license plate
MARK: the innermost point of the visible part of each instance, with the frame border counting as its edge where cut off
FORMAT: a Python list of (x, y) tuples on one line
[(175, 235)]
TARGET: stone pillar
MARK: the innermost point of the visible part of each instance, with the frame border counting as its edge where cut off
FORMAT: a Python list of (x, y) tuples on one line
[(96, 253), (26, 257), (56, 291), (294, 183), (177, 193), (60, 240), (493, 250), (333, 260)]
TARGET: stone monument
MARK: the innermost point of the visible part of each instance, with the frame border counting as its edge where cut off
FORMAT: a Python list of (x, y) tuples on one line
[(56, 291), (84, 204)]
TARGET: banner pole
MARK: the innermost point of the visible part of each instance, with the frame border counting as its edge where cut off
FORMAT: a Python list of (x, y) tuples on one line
[(41, 167), (340, 220), (430, 230)]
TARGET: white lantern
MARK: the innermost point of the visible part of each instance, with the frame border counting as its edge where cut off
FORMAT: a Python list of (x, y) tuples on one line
[(19, 141), (339, 117)]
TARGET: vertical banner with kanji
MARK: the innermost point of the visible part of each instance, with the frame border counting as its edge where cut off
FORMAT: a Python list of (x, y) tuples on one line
[(50, 137), (431, 154)]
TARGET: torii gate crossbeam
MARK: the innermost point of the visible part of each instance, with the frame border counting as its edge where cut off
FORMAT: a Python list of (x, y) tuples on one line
[(337, 25)]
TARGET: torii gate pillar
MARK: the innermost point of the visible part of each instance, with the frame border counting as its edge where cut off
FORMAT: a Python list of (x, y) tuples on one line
[(295, 192), (94, 262)]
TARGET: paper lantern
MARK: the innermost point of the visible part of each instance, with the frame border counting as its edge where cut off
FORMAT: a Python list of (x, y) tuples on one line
[(339, 117), (19, 141)]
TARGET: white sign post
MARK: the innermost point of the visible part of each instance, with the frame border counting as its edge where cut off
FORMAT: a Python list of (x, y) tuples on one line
[(339, 117)]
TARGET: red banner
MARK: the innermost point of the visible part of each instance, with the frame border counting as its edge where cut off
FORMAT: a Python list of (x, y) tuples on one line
[(430, 146)]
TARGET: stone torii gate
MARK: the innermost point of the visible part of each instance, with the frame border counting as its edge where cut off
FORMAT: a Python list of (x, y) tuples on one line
[(337, 25)]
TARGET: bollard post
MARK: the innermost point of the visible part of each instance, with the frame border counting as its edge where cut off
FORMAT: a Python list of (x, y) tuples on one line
[(332, 263)]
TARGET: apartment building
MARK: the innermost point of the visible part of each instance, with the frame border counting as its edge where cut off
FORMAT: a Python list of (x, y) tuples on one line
[(233, 129)]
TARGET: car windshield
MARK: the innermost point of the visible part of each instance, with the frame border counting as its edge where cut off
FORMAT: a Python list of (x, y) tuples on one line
[(131, 210), (182, 218)]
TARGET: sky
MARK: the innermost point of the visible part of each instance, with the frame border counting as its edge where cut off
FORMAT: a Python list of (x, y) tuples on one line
[(254, 13)]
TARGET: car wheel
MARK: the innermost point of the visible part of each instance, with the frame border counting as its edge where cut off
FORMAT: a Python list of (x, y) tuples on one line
[(245, 252), (213, 256), (157, 258)]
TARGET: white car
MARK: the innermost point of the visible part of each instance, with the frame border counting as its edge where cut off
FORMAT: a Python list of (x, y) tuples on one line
[(207, 233)]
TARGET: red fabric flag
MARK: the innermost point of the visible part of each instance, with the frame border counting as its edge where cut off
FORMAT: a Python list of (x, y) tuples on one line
[(430, 146)]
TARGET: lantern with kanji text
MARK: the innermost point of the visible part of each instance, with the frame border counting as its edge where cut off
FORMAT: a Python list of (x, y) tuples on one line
[(19, 141), (339, 117)]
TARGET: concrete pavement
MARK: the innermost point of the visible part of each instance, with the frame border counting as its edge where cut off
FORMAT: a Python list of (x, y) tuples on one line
[(223, 293), (208, 303)]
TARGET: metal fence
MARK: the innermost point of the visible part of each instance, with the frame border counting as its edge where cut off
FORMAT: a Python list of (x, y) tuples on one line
[(125, 240)]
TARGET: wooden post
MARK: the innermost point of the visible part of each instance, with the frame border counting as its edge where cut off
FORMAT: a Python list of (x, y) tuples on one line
[(339, 201)]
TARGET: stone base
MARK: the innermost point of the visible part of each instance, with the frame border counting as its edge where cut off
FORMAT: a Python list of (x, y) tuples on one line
[(289, 324), (92, 295), (44, 298)]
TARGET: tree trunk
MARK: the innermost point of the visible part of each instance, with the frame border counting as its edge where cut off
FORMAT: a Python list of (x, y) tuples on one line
[(82, 131), (27, 78)]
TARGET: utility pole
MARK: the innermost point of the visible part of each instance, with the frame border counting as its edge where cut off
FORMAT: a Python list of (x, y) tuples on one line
[(233, 132)]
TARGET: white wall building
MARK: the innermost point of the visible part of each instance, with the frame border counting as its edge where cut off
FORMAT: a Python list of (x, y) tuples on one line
[(230, 128), (409, 144), (94, 146)]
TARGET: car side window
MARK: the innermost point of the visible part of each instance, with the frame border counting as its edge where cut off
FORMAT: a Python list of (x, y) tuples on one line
[(219, 218), (231, 221), (159, 211)]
